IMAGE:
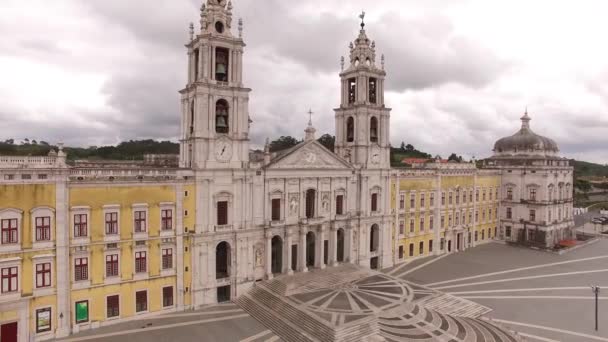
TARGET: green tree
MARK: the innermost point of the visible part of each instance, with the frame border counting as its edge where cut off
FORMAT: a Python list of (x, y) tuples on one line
[(328, 141), (282, 143)]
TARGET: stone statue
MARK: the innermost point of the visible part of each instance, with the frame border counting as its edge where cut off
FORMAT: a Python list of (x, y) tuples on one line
[(258, 256), (293, 205)]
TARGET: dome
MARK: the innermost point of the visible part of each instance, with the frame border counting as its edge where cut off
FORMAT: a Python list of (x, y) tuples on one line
[(525, 142)]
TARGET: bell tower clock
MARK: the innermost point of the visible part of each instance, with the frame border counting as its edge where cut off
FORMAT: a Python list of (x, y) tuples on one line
[(215, 115), (362, 120)]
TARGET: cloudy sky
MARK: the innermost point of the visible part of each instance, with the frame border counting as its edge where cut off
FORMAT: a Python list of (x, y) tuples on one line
[(460, 72)]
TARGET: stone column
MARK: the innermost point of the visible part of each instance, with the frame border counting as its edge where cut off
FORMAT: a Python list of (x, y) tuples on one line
[(287, 253), (333, 246), (320, 247), (302, 251), (348, 243), (268, 236)]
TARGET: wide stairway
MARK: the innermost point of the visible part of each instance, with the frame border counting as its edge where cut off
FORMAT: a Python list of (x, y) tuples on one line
[(349, 303)]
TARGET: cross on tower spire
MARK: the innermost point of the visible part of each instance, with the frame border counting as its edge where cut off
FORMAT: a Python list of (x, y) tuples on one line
[(310, 113), (362, 17)]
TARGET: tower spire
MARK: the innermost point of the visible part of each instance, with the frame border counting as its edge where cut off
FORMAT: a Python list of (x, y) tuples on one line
[(310, 130), (525, 120)]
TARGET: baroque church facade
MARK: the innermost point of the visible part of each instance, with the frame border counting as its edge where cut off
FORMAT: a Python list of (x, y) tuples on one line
[(289, 211), (87, 244)]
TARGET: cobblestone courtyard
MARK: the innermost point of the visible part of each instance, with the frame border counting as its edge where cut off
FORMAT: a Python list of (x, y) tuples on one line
[(543, 296)]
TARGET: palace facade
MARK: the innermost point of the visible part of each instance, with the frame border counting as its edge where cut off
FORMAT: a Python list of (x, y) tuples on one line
[(89, 244)]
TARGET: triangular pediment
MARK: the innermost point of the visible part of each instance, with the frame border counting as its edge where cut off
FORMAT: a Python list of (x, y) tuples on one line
[(309, 155)]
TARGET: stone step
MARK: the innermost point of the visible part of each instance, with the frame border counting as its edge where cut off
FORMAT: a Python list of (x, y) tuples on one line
[(280, 327)]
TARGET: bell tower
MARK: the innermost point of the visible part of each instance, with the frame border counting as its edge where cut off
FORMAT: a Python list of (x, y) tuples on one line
[(214, 103), (362, 120)]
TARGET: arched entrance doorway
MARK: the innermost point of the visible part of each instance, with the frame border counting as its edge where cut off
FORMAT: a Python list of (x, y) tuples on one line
[(374, 242), (222, 260), (310, 249), (277, 255), (374, 238), (340, 245), (222, 270)]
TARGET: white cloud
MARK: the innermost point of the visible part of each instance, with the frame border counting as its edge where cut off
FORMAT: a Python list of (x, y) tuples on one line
[(460, 72)]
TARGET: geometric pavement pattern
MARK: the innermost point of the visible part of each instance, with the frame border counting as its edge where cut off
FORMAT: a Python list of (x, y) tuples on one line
[(333, 305)]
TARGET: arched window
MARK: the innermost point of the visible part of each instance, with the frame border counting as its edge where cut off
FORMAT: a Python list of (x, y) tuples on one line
[(374, 238), (221, 116), (221, 64), (350, 129), (373, 130)]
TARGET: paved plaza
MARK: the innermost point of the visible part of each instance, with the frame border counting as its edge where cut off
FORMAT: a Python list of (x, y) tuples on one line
[(544, 296), (478, 295)]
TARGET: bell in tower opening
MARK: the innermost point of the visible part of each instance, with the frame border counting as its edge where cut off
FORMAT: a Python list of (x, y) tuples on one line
[(373, 130), (372, 90), (221, 116), (350, 130), (221, 64)]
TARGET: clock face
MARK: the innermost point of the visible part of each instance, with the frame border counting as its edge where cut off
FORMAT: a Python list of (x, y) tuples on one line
[(223, 150), (375, 156)]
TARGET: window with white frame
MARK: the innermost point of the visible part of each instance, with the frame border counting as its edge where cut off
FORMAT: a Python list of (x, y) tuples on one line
[(141, 265), (167, 258), (112, 263), (431, 222), (111, 223), (141, 301), (81, 268), (166, 217), (10, 231), (402, 201), (411, 225), (113, 306), (9, 279), (43, 275), (401, 227), (139, 221), (422, 223), (43, 228), (432, 199), (80, 225), (412, 201), (422, 204)]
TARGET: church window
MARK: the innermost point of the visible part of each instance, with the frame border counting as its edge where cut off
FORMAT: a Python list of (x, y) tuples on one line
[(276, 209), (350, 129), (310, 203), (372, 90), (352, 90), (192, 117), (373, 130), (222, 213), (340, 205), (221, 116), (374, 202), (196, 62), (221, 64)]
